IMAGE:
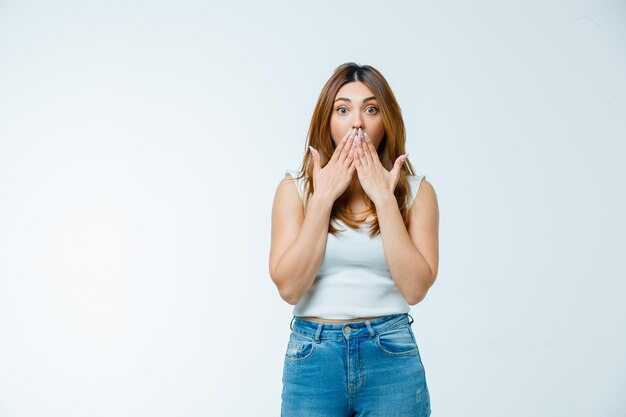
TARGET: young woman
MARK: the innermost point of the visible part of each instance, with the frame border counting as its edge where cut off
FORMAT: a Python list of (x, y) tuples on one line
[(354, 245)]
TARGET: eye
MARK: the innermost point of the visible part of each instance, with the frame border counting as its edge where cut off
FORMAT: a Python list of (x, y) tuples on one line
[(376, 109)]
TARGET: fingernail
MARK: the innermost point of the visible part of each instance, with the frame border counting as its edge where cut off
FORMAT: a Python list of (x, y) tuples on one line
[(353, 132), (367, 137), (312, 150)]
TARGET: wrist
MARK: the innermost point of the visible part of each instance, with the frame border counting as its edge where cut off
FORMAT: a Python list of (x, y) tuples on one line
[(385, 200), (322, 199)]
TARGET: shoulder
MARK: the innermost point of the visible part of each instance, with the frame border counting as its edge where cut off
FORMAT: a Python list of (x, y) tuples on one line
[(288, 181), (287, 204), (424, 195), (290, 188), (298, 182), (425, 190)]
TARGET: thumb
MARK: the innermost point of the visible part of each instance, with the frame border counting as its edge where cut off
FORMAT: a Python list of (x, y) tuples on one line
[(316, 159), (399, 161)]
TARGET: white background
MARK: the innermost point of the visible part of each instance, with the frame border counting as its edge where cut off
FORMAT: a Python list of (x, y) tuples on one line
[(141, 144)]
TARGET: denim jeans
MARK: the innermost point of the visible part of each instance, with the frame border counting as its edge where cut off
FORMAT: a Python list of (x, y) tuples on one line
[(365, 368)]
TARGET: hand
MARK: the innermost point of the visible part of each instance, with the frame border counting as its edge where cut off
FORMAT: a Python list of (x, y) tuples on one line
[(378, 183), (332, 180)]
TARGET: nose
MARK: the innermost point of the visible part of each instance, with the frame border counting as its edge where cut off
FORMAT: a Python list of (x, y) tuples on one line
[(358, 123)]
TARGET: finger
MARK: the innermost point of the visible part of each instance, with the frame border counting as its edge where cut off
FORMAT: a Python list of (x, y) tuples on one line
[(372, 152), (397, 166), (357, 164), (349, 156), (316, 159), (360, 152), (357, 157), (347, 135), (346, 149), (352, 167), (340, 146), (353, 151), (365, 150)]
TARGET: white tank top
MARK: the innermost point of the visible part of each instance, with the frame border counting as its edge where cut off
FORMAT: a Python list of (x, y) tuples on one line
[(353, 279)]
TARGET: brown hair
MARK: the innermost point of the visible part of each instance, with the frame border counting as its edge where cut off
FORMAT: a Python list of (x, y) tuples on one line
[(390, 148)]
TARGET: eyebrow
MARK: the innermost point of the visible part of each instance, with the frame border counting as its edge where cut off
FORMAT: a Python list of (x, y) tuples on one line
[(350, 101)]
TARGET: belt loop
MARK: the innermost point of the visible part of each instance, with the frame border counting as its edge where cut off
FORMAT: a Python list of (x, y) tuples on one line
[(411, 321), (317, 333), (370, 329), (291, 324)]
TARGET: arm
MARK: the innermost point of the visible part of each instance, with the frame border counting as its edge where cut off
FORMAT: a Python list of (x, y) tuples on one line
[(298, 240), (412, 255)]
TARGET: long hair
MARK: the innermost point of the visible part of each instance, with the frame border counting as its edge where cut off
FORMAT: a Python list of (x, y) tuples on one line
[(390, 147)]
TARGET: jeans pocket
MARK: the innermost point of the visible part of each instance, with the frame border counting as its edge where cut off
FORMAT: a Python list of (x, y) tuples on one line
[(299, 348), (398, 341)]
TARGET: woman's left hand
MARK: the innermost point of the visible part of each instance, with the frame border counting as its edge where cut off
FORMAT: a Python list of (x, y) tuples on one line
[(378, 183)]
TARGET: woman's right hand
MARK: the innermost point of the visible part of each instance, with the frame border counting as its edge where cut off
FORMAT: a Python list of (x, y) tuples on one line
[(332, 180)]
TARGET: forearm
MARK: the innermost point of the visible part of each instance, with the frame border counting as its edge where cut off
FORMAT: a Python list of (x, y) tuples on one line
[(299, 265), (409, 269)]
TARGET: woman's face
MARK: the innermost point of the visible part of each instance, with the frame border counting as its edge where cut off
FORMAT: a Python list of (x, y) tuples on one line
[(356, 107)]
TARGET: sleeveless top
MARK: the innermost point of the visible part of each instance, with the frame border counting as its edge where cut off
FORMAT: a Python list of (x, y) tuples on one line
[(353, 279)]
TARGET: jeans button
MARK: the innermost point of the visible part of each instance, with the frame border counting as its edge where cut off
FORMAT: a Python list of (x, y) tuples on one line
[(347, 330)]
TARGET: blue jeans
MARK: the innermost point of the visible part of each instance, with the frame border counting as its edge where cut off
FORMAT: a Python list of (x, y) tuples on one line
[(365, 368)]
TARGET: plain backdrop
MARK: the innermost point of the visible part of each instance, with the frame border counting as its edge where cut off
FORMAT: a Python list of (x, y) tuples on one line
[(141, 144)]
